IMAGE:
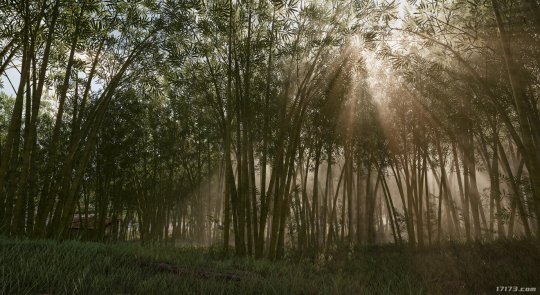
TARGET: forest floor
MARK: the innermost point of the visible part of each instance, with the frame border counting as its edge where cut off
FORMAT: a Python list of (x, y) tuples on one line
[(50, 267)]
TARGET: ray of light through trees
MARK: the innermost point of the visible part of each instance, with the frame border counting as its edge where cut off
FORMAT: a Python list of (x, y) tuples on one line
[(267, 126)]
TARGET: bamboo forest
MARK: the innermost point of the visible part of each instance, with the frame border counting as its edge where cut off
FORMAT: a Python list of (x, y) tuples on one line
[(269, 146)]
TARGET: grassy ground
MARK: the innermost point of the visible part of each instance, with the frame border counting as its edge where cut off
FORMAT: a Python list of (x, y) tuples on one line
[(49, 267)]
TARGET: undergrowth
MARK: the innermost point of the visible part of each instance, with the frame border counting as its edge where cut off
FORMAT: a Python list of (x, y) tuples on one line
[(71, 267)]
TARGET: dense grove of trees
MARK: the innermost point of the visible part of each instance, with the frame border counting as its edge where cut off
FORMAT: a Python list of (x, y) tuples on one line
[(270, 125)]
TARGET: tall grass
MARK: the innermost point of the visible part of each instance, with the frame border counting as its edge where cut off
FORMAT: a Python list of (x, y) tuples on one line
[(50, 267)]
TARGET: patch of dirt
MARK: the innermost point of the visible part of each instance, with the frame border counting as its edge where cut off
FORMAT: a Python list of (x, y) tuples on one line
[(185, 271)]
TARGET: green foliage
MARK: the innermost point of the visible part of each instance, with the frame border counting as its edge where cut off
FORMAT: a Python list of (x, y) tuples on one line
[(164, 113)]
